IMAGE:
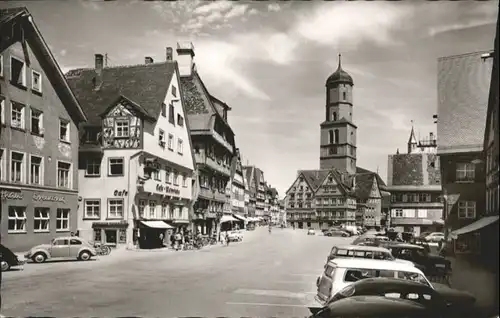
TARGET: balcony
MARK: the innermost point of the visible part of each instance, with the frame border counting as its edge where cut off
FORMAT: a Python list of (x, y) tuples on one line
[(223, 142), (212, 194), (202, 159)]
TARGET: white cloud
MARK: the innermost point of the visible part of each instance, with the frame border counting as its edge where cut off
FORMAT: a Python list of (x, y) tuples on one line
[(215, 6), (459, 26), (219, 68), (350, 23), (274, 7), (63, 52), (237, 11)]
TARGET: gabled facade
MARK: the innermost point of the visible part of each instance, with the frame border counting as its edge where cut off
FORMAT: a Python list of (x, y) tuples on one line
[(335, 198), (136, 162), (39, 119), (213, 142), (299, 201), (414, 181)]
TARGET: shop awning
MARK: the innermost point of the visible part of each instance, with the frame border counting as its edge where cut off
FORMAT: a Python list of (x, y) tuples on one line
[(157, 225), (239, 217), (479, 224), (227, 218)]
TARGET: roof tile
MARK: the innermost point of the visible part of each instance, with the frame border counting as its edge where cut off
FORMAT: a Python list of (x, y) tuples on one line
[(145, 85), (463, 84)]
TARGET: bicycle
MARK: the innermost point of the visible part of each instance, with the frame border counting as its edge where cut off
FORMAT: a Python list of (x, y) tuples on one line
[(102, 249)]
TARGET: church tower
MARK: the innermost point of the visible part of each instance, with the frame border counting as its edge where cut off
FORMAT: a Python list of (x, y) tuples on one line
[(338, 132)]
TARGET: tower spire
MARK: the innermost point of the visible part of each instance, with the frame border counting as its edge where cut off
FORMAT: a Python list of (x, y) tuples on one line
[(412, 141), (340, 60)]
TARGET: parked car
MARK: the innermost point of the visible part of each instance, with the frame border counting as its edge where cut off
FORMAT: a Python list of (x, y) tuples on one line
[(447, 301), (8, 259), (433, 265), (369, 252), (434, 237), (370, 239), (337, 233), (235, 236), (62, 248), (342, 272), (372, 307), (311, 232)]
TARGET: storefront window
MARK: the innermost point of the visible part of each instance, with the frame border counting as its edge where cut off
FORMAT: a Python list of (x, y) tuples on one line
[(467, 244), (110, 236), (123, 236)]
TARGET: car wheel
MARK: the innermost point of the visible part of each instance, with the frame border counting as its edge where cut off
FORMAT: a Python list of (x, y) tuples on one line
[(39, 258), (5, 266), (84, 256)]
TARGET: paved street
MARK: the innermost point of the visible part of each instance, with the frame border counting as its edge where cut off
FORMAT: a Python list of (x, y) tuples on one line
[(265, 275)]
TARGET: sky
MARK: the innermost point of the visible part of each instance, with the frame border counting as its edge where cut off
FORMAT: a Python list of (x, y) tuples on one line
[(269, 62)]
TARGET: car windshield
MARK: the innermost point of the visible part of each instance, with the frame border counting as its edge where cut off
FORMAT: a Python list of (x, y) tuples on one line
[(415, 277)]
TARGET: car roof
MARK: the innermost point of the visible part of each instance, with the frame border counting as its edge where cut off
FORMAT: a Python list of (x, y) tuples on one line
[(363, 248), (374, 305), (363, 263), (389, 282)]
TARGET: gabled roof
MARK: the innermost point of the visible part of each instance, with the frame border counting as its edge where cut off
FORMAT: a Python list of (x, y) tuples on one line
[(199, 102), (315, 177), (380, 182), (364, 183), (128, 101), (44, 56), (145, 84), (463, 84)]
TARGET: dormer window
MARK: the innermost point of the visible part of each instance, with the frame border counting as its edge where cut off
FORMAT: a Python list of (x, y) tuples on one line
[(122, 128), (174, 91)]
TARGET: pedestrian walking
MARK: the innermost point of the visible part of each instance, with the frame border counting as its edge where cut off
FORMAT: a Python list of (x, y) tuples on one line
[(161, 239), (227, 238)]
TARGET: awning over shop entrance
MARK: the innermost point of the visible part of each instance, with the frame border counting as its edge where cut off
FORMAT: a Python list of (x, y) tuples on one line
[(157, 225), (479, 224), (227, 218), (239, 217)]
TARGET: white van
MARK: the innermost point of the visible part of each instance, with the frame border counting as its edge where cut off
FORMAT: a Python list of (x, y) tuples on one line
[(341, 272)]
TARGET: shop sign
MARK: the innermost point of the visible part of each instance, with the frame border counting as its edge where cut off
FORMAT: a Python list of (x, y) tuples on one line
[(11, 195), (49, 198), (122, 193), (167, 189)]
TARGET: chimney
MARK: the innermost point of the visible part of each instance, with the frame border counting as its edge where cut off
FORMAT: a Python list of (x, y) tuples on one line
[(99, 65), (148, 60), (170, 53), (185, 54)]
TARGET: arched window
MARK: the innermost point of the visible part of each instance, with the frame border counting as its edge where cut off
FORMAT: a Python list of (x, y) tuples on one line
[(334, 116), (344, 95), (330, 137), (336, 136)]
